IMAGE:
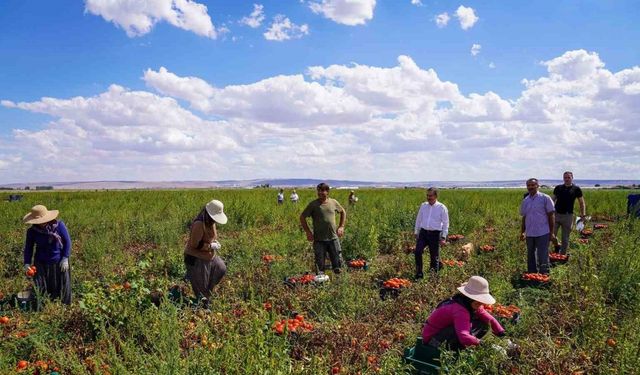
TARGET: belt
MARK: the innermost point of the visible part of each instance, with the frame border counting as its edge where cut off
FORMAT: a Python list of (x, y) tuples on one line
[(431, 231)]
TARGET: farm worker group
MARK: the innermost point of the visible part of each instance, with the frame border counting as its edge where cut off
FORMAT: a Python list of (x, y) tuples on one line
[(458, 322)]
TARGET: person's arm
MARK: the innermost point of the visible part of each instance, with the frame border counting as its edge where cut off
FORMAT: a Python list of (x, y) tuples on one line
[(551, 214), (485, 317), (195, 236), (462, 326), (28, 247), (343, 219), (445, 224), (215, 232), (522, 228), (305, 225), (416, 230), (66, 240), (554, 197), (583, 207)]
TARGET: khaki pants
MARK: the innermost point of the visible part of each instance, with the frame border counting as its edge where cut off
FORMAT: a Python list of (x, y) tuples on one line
[(566, 222), (204, 274)]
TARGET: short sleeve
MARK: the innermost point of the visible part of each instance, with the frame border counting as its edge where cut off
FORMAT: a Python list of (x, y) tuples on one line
[(578, 192), (308, 210), (339, 207), (549, 205)]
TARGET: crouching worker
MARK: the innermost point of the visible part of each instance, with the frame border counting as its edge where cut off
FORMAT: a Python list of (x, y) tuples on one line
[(50, 268), (461, 320), (205, 269)]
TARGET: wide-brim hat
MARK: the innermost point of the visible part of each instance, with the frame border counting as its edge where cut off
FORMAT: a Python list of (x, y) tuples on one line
[(215, 209), (477, 288), (39, 215)]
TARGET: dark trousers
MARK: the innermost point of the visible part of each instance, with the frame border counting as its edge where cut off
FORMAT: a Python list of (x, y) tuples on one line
[(429, 238), (50, 280), (538, 254), (449, 338), (331, 247)]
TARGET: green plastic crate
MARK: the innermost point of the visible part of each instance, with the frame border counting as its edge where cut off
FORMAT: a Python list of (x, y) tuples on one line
[(424, 358)]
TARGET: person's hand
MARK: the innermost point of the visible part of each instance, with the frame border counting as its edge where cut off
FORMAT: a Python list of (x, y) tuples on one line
[(64, 265), (416, 236), (340, 231), (443, 241), (553, 239), (215, 245), (26, 267), (522, 236), (309, 236)]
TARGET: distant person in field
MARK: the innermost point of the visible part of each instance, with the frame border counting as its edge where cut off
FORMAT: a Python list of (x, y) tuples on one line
[(325, 235), (205, 269), (281, 196), (294, 196), (352, 198), (52, 251), (461, 321), (432, 226), (565, 196), (538, 221)]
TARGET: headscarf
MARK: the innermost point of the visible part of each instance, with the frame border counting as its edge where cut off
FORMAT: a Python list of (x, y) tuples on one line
[(51, 230)]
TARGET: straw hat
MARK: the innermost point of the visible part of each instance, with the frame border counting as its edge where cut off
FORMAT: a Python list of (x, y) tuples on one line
[(215, 210), (39, 214), (477, 288)]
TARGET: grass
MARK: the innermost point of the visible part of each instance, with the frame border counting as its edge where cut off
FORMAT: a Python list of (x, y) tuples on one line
[(138, 237)]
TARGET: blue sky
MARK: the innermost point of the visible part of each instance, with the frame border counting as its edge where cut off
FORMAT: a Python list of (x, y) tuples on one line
[(70, 49)]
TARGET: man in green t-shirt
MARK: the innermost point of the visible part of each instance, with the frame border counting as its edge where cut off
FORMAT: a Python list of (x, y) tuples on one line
[(325, 235)]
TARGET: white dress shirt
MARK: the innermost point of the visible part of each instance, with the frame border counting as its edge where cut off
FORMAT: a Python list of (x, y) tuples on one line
[(433, 217)]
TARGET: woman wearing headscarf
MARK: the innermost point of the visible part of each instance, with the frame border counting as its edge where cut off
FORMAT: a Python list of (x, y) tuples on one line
[(205, 269), (461, 320), (52, 250)]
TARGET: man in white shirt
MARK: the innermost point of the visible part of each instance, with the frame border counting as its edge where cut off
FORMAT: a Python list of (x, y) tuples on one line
[(294, 196), (432, 226)]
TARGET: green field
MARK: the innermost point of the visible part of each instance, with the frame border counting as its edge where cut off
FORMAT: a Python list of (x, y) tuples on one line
[(138, 237)]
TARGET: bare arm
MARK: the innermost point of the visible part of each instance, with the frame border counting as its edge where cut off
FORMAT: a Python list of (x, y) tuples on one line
[(343, 219), (552, 222), (522, 229), (305, 226), (583, 206)]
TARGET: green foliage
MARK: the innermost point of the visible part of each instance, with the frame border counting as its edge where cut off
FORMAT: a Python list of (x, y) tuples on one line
[(137, 238)]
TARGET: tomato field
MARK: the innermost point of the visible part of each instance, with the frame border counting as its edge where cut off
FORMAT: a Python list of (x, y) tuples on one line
[(127, 255)]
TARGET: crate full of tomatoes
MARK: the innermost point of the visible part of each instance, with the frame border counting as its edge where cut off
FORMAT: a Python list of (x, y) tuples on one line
[(557, 258), (451, 263), (455, 237), (533, 280), (296, 324), (510, 313), (305, 279), (392, 287), (487, 249), (358, 264)]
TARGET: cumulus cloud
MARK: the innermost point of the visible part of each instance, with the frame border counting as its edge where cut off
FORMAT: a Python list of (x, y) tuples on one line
[(138, 17), (256, 17), (344, 121), (346, 12), (283, 29), (475, 49), (442, 19), (466, 16)]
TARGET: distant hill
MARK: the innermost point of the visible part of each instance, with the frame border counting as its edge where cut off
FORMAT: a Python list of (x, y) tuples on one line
[(301, 183)]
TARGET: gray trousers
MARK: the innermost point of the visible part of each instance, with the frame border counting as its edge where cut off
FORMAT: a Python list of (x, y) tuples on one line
[(538, 254), (566, 222), (204, 274), (50, 280), (333, 249)]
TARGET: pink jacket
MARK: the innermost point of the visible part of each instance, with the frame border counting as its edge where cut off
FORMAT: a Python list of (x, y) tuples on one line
[(456, 315)]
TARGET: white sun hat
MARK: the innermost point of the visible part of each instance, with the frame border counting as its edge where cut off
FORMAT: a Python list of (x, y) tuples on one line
[(215, 210), (39, 215), (477, 288)]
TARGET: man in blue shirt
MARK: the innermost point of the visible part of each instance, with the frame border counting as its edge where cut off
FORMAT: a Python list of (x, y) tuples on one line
[(538, 221)]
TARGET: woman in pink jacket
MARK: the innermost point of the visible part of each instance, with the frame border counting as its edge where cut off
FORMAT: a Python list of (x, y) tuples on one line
[(461, 321)]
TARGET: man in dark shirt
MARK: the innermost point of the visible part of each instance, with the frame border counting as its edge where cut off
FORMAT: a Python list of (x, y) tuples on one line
[(564, 197)]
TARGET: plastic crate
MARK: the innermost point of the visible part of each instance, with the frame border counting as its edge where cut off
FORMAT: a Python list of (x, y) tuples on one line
[(424, 358)]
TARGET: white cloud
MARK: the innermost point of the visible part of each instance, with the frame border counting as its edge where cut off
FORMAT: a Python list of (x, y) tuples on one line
[(475, 49), (466, 16), (416, 3), (442, 19), (492, 65), (256, 17), (341, 121), (283, 29), (138, 17), (346, 12)]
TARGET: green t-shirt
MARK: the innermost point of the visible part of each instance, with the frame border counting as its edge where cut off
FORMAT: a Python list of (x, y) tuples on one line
[(324, 218)]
